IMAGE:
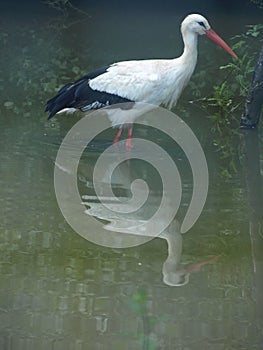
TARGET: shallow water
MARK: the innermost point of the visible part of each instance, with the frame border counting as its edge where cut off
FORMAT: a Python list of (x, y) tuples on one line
[(61, 291)]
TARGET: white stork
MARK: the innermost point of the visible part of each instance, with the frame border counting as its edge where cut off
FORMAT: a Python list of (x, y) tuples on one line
[(154, 81)]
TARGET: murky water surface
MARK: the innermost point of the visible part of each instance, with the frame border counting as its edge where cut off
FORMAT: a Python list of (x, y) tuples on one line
[(200, 290)]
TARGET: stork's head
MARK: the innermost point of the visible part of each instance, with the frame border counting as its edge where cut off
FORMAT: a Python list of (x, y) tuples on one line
[(195, 23), (198, 24)]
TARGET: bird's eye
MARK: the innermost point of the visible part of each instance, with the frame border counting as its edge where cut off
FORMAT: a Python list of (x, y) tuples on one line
[(201, 24)]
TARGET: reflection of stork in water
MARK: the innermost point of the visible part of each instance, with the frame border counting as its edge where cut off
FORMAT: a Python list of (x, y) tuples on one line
[(174, 274), (132, 227)]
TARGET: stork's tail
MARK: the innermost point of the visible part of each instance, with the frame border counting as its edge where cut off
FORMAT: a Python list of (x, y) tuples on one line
[(63, 99)]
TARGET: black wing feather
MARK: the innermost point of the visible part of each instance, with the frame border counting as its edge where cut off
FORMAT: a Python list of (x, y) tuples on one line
[(80, 95)]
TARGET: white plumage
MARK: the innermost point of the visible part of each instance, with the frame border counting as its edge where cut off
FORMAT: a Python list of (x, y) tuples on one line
[(150, 81)]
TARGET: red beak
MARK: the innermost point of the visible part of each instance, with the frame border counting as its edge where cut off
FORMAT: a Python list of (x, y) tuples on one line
[(220, 42)]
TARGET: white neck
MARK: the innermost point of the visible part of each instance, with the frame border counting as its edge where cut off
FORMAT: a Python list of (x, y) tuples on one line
[(175, 244), (190, 47), (182, 67)]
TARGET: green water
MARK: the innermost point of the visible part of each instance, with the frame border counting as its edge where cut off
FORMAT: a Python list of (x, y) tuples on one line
[(60, 291)]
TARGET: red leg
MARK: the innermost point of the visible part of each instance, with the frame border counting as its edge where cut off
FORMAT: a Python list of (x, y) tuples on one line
[(117, 137), (129, 145), (129, 139)]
